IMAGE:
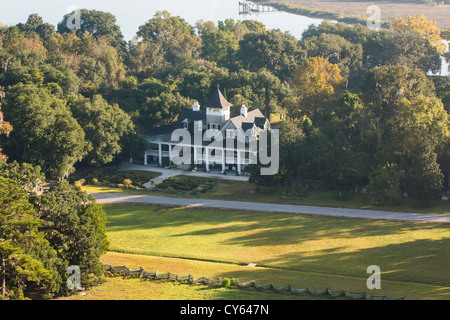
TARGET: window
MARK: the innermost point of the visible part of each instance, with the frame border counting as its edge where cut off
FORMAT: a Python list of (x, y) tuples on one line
[(185, 124), (214, 126), (231, 133)]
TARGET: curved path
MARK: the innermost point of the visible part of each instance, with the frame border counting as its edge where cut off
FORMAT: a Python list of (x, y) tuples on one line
[(104, 198)]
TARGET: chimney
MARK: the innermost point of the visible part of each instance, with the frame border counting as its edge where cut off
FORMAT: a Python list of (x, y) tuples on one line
[(196, 106), (244, 111)]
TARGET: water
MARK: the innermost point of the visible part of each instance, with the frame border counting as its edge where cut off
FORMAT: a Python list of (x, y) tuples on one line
[(445, 64), (131, 14)]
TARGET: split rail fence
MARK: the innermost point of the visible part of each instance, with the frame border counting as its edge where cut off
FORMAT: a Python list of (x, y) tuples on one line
[(141, 273)]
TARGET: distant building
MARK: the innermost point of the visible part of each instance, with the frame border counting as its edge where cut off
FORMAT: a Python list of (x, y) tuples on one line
[(215, 120)]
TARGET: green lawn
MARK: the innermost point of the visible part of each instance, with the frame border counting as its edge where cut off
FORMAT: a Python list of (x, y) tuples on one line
[(243, 191), (299, 250), (137, 289)]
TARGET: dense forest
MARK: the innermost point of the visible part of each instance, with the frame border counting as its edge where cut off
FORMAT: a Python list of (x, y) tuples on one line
[(358, 104), (359, 111)]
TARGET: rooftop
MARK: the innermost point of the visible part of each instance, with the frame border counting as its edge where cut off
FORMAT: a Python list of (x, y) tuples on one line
[(218, 101)]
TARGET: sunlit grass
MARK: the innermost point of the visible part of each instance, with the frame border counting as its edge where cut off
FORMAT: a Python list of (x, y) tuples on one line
[(133, 289), (406, 252), (137, 289)]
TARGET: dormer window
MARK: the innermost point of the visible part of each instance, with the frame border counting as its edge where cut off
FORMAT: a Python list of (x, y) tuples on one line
[(185, 124), (231, 134)]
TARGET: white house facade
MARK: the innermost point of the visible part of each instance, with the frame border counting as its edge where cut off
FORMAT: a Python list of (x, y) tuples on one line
[(218, 139)]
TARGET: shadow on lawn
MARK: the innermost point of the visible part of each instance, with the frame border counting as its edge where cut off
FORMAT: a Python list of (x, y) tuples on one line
[(273, 229), (418, 261), (416, 269)]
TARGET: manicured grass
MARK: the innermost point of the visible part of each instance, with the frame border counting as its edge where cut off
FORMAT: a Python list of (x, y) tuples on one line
[(137, 289), (324, 248), (243, 191)]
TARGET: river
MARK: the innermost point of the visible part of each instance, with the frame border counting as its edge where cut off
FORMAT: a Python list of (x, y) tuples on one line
[(131, 14)]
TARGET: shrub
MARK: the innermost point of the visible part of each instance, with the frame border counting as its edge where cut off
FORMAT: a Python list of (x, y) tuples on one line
[(94, 181), (127, 182), (294, 194), (385, 182), (165, 161), (226, 282), (80, 182)]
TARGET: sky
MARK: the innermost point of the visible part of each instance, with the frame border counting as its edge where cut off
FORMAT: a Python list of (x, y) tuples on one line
[(131, 14)]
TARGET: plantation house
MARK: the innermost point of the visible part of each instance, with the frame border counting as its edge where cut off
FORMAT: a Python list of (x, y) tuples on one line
[(218, 139)]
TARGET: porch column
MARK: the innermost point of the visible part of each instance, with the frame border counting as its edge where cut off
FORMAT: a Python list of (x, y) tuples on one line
[(195, 155), (170, 153), (239, 161), (160, 153), (223, 160), (145, 158), (206, 159)]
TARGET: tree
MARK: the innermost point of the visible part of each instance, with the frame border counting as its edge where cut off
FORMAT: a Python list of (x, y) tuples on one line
[(175, 36), (146, 58), (46, 134), (163, 109), (424, 28), (133, 146), (424, 179), (387, 84), (25, 255), (36, 24), (410, 123), (442, 85), (385, 181), (220, 46), (104, 126), (248, 26), (404, 46), (74, 225), (278, 52), (337, 50), (97, 23), (318, 83), (5, 128), (28, 176)]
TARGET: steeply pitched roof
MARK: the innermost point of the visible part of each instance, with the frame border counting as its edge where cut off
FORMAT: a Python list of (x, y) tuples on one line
[(190, 116), (260, 122), (247, 126), (218, 101), (250, 118)]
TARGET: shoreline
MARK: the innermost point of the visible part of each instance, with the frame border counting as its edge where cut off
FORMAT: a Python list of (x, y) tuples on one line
[(347, 9)]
